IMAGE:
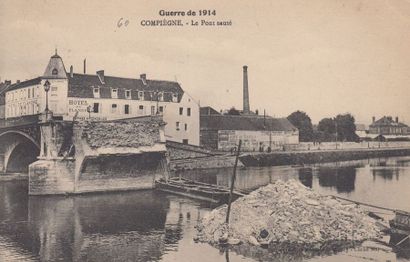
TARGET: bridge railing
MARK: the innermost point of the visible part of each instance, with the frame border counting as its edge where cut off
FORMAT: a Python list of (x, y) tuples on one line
[(19, 121)]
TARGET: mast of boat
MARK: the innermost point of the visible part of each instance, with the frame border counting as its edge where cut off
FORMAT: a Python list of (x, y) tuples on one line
[(233, 182)]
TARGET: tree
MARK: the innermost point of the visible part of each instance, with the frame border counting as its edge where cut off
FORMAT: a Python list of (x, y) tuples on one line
[(233, 112), (327, 129), (346, 128), (303, 122)]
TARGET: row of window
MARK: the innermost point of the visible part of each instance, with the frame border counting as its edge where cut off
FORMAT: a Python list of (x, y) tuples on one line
[(188, 111), (22, 94), (114, 94), (22, 109), (178, 126), (126, 109)]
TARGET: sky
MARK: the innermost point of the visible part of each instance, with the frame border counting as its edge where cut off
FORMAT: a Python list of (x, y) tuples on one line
[(319, 56)]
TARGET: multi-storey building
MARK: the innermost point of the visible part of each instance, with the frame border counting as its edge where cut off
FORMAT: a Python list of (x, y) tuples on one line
[(101, 97), (387, 126)]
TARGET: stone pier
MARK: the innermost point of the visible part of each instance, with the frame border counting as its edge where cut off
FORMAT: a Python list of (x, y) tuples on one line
[(79, 157)]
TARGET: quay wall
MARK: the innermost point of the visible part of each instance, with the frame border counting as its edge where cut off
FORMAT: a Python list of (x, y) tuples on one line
[(324, 156), (203, 163), (303, 146)]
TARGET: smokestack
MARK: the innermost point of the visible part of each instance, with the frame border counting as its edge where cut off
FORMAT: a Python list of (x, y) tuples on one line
[(373, 119), (246, 109), (85, 65), (71, 71), (397, 119)]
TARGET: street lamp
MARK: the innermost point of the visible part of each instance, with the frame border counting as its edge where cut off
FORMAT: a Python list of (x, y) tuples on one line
[(47, 88), (89, 111), (157, 94)]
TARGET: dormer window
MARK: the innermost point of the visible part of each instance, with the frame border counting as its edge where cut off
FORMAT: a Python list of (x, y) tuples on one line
[(128, 94), (160, 96), (141, 95), (114, 93), (174, 97), (54, 72), (96, 92)]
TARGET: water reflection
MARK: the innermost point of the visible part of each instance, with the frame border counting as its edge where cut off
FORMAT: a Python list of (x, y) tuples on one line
[(341, 178), (151, 226), (386, 174), (306, 176)]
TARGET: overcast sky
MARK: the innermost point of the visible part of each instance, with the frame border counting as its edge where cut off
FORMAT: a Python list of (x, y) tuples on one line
[(321, 56)]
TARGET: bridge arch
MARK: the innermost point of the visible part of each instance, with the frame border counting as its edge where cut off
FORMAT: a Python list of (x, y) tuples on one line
[(17, 151)]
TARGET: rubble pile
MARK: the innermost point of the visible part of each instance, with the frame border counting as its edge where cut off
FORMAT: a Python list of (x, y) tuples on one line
[(121, 133), (287, 212)]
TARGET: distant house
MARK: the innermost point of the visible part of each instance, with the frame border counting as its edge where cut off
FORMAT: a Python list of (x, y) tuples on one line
[(387, 126), (258, 133), (207, 110), (390, 129), (3, 87)]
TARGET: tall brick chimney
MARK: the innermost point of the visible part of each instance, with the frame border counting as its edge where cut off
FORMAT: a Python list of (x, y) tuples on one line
[(397, 119), (246, 109)]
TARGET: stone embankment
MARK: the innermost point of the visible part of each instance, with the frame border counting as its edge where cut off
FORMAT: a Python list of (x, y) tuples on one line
[(313, 157), (287, 213)]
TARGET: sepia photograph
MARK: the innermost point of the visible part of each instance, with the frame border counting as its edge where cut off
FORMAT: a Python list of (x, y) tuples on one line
[(205, 131)]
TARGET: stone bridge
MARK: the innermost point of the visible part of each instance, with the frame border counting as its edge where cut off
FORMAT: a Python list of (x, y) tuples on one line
[(19, 143)]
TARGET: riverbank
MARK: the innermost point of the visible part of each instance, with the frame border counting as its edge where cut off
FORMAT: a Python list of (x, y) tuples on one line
[(318, 156)]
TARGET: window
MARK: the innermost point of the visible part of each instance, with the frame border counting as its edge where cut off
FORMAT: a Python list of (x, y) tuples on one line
[(188, 111), (141, 107), (186, 127), (54, 72), (114, 108), (141, 95), (114, 93), (32, 92), (53, 88), (181, 111), (28, 92), (177, 125), (126, 109), (161, 109), (174, 97), (185, 141), (160, 96), (96, 108), (128, 94), (96, 92), (152, 110)]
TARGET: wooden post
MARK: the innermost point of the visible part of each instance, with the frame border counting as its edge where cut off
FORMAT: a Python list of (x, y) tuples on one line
[(233, 182)]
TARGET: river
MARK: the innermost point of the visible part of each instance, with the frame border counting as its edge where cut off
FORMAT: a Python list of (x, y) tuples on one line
[(154, 226)]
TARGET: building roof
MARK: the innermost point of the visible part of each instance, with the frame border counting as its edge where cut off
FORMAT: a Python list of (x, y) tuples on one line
[(30, 82), (361, 127), (387, 121), (55, 68), (231, 122), (81, 85), (207, 110)]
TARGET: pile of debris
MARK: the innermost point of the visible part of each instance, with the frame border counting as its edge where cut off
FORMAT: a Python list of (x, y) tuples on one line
[(287, 212), (144, 132)]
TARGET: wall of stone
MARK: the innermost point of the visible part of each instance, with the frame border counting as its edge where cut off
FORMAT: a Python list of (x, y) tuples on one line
[(107, 173), (183, 151), (203, 162), (311, 157), (53, 176)]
